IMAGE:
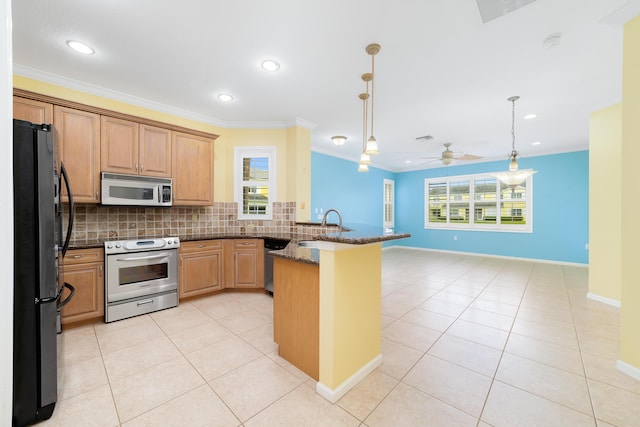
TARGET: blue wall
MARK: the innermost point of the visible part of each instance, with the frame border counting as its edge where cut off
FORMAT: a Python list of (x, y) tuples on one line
[(336, 183), (560, 205)]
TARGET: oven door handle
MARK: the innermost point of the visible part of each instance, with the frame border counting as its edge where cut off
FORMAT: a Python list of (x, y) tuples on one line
[(144, 257)]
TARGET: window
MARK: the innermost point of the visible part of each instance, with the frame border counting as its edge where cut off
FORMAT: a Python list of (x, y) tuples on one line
[(495, 206), (255, 181), (388, 206)]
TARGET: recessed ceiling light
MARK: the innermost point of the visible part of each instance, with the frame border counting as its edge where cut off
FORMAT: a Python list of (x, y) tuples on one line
[(407, 161), (80, 47), (270, 65), (530, 116), (536, 143), (225, 97)]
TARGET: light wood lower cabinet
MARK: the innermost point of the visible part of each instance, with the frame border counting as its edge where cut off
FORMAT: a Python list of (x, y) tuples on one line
[(84, 270), (245, 264), (296, 313), (201, 267)]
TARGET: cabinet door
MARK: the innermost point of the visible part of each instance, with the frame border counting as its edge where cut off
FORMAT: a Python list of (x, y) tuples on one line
[(78, 137), (155, 151), (32, 111), (248, 263), (200, 273), (192, 169), (118, 146), (88, 301)]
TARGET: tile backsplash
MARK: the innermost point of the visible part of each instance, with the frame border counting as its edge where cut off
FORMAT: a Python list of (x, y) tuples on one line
[(93, 222)]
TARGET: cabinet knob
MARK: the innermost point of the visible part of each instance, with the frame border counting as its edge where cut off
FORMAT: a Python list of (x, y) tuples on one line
[(75, 256), (97, 197), (136, 167), (141, 167), (100, 270)]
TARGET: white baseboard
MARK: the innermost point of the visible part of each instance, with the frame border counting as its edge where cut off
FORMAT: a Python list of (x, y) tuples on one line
[(334, 395), (625, 368), (604, 300), (544, 261)]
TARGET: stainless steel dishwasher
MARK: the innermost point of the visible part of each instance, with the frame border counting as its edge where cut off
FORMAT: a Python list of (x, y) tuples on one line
[(271, 244)]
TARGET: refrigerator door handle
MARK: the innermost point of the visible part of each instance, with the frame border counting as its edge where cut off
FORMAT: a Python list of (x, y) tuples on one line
[(67, 299), (67, 184)]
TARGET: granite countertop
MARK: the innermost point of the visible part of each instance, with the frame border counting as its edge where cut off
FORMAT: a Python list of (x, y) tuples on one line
[(353, 234)]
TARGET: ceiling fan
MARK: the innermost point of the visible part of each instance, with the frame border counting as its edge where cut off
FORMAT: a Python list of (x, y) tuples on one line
[(448, 156)]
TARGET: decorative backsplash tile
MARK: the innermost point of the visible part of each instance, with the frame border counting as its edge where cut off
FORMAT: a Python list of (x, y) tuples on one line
[(93, 222)]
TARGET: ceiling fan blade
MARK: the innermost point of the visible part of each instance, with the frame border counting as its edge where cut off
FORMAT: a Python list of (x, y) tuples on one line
[(433, 159), (467, 157)]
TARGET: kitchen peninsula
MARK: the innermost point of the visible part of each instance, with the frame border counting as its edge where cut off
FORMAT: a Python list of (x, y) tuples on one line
[(327, 306)]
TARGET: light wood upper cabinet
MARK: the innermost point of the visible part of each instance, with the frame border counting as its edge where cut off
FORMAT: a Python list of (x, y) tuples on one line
[(32, 111), (192, 169), (154, 151), (78, 137), (118, 145), (135, 149)]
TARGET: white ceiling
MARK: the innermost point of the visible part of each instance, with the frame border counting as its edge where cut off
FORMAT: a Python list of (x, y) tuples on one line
[(441, 70)]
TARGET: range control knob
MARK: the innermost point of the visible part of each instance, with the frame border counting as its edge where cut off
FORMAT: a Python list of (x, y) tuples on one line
[(118, 245), (176, 241), (169, 241), (109, 246)]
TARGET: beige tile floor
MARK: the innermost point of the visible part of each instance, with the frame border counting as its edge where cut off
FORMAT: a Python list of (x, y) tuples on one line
[(466, 341)]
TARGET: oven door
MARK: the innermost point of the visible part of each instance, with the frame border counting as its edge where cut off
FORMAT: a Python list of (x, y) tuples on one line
[(137, 274)]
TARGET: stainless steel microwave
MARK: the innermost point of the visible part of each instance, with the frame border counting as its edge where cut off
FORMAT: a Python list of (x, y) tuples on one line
[(135, 190)]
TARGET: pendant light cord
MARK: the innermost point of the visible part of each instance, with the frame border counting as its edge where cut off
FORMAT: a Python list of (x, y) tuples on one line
[(513, 125), (373, 77)]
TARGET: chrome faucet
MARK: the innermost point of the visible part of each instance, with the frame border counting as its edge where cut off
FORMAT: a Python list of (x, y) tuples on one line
[(324, 217)]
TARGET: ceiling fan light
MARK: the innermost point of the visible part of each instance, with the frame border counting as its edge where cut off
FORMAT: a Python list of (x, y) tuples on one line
[(447, 160), (372, 146), (363, 168)]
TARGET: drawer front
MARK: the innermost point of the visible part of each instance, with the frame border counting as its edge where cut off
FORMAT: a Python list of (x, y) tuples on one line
[(200, 245), (138, 306), (81, 256), (246, 243)]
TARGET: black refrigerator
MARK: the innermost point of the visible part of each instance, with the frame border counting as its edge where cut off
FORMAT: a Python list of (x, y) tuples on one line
[(38, 250)]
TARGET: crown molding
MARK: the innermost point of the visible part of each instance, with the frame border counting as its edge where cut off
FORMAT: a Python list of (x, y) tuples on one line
[(65, 82), (624, 14)]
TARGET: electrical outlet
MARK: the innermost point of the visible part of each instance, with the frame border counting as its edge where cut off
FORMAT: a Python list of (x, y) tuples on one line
[(455, 237), (320, 217), (586, 246)]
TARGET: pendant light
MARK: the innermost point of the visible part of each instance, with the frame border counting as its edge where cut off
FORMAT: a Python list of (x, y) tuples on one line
[(513, 177), (372, 144)]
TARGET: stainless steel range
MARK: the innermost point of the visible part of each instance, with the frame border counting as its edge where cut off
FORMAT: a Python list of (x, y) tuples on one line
[(141, 276)]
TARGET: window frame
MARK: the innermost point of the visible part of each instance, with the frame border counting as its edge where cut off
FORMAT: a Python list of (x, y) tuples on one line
[(385, 222), (241, 153), (471, 225)]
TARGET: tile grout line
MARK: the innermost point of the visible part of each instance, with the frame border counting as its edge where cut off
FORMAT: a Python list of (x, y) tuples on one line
[(493, 379)]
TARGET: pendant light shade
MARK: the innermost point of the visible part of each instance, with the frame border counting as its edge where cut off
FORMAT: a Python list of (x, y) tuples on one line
[(372, 146)]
